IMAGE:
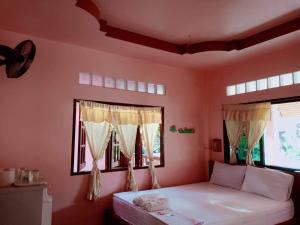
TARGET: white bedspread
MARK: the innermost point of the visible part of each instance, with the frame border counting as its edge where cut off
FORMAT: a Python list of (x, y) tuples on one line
[(204, 203)]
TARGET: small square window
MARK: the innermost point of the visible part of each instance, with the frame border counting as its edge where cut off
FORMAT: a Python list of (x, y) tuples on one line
[(151, 88), (109, 82), (160, 89), (120, 84), (240, 88), (131, 85), (262, 84), (230, 90), (251, 86), (97, 80), (286, 79), (273, 82), (141, 86), (297, 77), (85, 78)]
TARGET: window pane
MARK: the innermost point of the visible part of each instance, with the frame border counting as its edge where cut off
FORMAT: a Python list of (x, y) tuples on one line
[(282, 136), (160, 89), (286, 79), (297, 77), (230, 90), (262, 84), (251, 86), (242, 150), (240, 88), (273, 82)]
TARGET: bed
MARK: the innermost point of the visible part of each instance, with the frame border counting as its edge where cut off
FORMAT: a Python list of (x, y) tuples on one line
[(234, 195), (200, 203)]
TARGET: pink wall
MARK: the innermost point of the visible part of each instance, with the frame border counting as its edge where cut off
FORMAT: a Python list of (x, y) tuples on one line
[(282, 61), (36, 122)]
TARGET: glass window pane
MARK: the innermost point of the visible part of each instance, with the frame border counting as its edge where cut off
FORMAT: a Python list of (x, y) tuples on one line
[(160, 89), (109, 82), (97, 80), (251, 86), (141, 86), (120, 83), (297, 77), (286, 79), (230, 90), (131, 85), (262, 84), (151, 88), (242, 149), (240, 88), (282, 136), (273, 82), (85, 78)]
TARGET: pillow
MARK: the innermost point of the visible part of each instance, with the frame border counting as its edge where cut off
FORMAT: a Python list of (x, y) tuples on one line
[(228, 175), (267, 182)]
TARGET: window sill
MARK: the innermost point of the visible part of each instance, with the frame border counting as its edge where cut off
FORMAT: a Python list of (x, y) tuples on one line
[(114, 170)]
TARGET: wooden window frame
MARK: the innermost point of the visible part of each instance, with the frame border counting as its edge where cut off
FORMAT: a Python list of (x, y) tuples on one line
[(108, 158), (261, 141)]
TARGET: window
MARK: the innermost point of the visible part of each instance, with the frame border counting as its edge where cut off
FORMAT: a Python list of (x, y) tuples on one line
[(280, 144), (113, 159), (282, 136)]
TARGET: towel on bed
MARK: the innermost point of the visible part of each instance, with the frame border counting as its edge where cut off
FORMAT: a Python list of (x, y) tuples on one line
[(152, 202)]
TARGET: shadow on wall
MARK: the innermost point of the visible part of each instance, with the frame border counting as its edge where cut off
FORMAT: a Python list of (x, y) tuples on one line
[(83, 211)]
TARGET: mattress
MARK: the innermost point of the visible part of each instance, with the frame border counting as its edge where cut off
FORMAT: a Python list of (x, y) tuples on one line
[(204, 203)]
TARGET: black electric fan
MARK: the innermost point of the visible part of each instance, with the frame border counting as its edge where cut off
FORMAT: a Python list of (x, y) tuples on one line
[(18, 60)]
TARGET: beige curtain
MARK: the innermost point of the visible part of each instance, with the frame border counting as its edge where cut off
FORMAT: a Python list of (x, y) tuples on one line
[(250, 119), (97, 121), (150, 120), (247, 112), (235, 130), (254, 132), (126, 120)]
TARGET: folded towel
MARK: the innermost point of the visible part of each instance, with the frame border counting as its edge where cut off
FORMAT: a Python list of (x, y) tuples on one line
[(152, 202), (157, 205), (142, 199)]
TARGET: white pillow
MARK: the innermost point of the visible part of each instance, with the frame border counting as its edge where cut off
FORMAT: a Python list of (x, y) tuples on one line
[(228, 175), (267, 182)]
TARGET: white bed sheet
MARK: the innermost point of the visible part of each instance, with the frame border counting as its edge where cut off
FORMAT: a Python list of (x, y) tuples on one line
[(212, 204)]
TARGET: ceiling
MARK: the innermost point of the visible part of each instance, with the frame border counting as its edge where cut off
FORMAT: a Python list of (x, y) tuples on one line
[(176, 21)]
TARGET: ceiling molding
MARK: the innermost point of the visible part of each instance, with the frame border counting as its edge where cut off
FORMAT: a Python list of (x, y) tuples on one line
[(125, 35)]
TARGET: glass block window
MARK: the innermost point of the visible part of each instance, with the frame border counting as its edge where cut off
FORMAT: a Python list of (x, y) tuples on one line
[(286, 79), (241, 88), (160, 89), (273, 82), (262, 84), (297, 77), (230, 90), (251, 86)]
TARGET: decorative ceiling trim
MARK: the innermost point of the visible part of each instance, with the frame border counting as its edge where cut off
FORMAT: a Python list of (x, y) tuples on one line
[(125, 35)]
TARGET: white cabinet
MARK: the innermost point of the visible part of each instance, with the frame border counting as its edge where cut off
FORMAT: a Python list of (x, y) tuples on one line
[(25, 206)]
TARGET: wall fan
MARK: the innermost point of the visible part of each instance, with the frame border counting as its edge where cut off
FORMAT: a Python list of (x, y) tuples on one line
[(18, 60)]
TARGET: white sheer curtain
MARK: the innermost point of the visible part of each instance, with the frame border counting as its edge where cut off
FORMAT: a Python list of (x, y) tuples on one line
[(150, 120), (97, 121), (126, 121)]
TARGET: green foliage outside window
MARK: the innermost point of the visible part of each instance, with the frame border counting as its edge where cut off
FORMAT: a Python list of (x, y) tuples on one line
[(242, 149)]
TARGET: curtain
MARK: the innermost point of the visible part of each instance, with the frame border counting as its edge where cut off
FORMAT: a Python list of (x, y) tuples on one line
[(235, 130), (255, 131), (126, 121), (250, 119), (97, 122), (150, 120)]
